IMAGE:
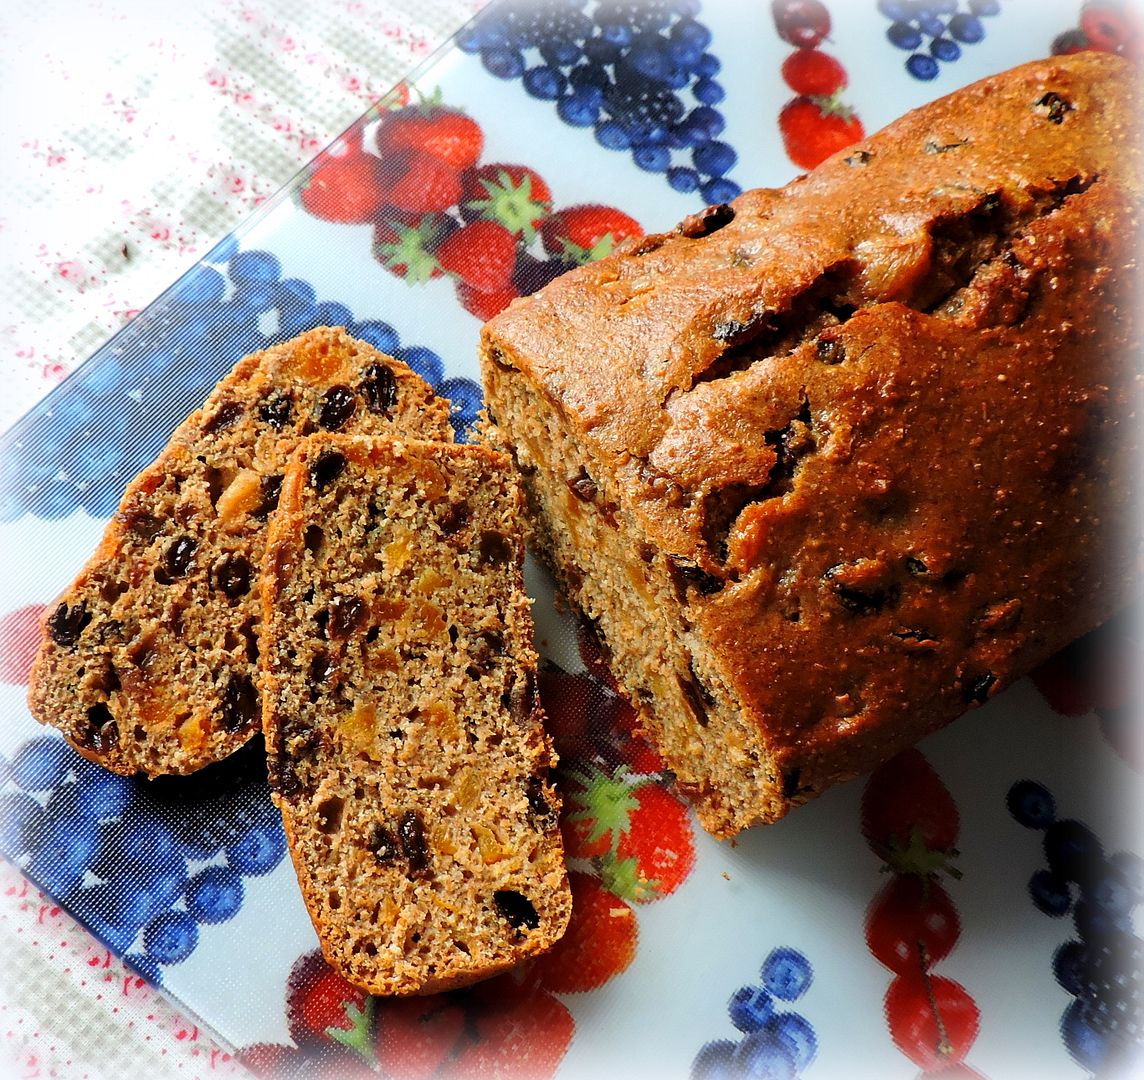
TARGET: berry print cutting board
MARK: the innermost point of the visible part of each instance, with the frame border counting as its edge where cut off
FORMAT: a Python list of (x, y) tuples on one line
[(971, 909)]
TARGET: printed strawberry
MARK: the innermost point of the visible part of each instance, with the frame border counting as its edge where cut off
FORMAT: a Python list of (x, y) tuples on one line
[(524, 1039), (484, 304), (632, 745), (415, 1035), (1063, 686), (932, 1020), (514, 196), (420, 183), (447, 135), (349, 188), (813, 128), (581, 234), (321, 1005), (909, 818), (1096, 671), (19, 641), (650, 847), (404, 243), (599, 943), (482, 254), (813, 73), (565, 700)]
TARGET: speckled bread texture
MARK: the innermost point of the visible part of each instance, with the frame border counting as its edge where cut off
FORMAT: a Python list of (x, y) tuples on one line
[(149, 658), (833, 464), (404, 734)]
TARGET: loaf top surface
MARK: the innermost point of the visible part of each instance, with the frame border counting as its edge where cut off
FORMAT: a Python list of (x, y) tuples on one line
[(622, 341), (873, 413)]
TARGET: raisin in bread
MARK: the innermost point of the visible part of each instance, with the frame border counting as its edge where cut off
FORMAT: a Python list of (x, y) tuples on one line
[(834, 463), (403, 731), (149, 658)]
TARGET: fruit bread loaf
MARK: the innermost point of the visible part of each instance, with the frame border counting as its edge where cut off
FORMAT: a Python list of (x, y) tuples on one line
[(148, 659), (404, 734), (836, 462)]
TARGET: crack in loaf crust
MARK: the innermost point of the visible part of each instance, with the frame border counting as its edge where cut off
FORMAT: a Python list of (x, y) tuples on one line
[(839, 461), (149, 658), (403, 729)]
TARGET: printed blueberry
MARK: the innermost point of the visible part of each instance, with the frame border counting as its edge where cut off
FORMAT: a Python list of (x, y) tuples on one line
[(921, 66), (171, 937), (1089, 1047), (544, 82), (612, 135), (579, 109), (985, 8), (1070, 966), (787, 973), (762, 1056), (258, 851), (103, 794), (652, 158), (464, 396), (898, 10), (139, 838), (1130, 867), (1094, 924), (945, 50), (720, 190), (1072, 850), (294, 294), (931, 25), (796, 1033), (21, 819), (708, 91), (331, 313), (1031, 804), (469, 39), (692, 32), (254, 266), (904, 36), (966, 28), (424, 361), (204, 283), (41, 763), (714, 1061), (750, 1008), (503, 62), (708, 65), (560, 54), (214, 894), (683, 180), (1110, 892), (1050, 892), (253, 294), (62, 849), (714, 158), (380, 335), (709, 119)]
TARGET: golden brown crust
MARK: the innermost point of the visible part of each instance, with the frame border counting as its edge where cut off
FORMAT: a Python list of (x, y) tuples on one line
[(404, 736), (877, 426), (148, 658)]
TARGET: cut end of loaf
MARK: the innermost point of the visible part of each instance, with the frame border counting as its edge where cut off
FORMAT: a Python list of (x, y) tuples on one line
[(149, 659), (404, 733)]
